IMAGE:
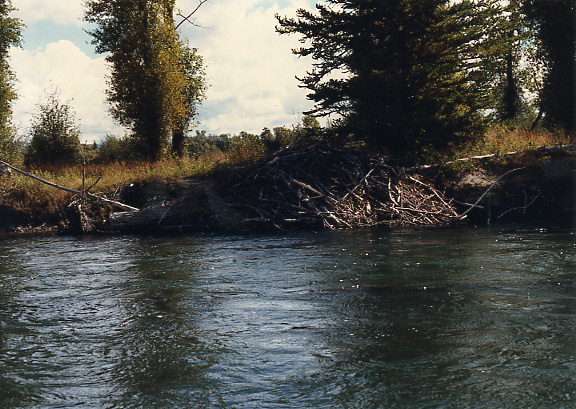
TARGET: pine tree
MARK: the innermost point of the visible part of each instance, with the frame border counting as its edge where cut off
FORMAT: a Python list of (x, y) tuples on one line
[(10, 35), (405, 75), (555, 26), (151, 82)]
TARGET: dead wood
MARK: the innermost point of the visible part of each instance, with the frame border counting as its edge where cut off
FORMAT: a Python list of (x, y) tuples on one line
[(322, 185)]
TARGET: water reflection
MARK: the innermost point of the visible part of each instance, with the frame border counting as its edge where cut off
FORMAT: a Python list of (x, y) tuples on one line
[(466, 329), (404, 318), (160, 350)]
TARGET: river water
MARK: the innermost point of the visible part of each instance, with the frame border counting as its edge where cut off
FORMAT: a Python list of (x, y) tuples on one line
[(403, 318)]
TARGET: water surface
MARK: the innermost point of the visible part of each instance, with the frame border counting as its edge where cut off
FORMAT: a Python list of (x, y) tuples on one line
[(405, 318)]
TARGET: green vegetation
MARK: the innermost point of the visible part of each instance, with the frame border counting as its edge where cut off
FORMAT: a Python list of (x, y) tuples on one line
[(10, 35), (54, 135), (417, 81), (157, 80), (404, 75)]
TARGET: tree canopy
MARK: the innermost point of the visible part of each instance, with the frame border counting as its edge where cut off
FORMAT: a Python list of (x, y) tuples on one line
[(10, 35), (156, 78), (406, 76), (54, 135)]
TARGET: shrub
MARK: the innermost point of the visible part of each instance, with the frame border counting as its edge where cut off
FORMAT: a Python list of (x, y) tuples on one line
[(55, 137)]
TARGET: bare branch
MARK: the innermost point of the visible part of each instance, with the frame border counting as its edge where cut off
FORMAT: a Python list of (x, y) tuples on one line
[(66, 189), (187, 18)]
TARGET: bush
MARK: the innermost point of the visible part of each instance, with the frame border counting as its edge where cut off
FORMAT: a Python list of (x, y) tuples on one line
[(55, 137), (115, 150), (246, 147)]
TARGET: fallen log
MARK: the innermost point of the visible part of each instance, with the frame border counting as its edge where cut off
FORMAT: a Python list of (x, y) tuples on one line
[(566, 150)]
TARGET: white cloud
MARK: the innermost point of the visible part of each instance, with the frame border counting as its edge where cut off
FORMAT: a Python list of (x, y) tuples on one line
[(57, 11), (250, 67), (80, 78)]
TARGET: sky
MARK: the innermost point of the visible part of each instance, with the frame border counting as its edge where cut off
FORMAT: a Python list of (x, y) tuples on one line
[(250, 68)]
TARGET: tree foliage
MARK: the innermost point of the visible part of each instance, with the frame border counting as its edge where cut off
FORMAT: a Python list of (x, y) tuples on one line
[(54, 135), (194, 92), (10, 35), (555, 26), (405, 75), (156, 80), (505, 63)]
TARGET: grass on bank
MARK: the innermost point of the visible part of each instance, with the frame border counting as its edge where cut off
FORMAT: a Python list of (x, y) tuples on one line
[(44, 203), (23, 195), (501, 140)]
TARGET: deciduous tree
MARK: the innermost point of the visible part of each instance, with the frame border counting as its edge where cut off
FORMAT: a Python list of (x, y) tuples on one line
[(156, 79), (10, 35), (54, 135)]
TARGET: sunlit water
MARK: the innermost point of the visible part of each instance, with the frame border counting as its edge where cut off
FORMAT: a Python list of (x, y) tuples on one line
[(426, 318)]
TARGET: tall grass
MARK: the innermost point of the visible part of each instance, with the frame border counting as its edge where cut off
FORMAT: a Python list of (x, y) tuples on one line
[(501, 140), (44, 203)]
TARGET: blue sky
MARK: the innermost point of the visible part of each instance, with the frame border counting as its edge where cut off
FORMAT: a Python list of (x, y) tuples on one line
[(250, 68)]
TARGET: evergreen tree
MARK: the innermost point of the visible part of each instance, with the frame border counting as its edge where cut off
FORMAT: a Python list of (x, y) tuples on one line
[(555, 25), (153, 71), (511, 64), (10, 35), (405, 75), (502, 60)]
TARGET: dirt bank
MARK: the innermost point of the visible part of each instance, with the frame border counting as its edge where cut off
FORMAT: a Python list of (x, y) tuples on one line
[(322, 186)]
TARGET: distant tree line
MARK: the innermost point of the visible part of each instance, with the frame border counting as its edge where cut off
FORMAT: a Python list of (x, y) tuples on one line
[(239, 147), (410, 78)]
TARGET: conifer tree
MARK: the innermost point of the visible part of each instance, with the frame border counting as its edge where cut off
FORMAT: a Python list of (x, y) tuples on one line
[(405, 75), (510, 64), (555, 26)]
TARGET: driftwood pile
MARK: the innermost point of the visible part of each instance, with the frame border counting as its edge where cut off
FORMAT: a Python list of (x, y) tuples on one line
[(321, 185)]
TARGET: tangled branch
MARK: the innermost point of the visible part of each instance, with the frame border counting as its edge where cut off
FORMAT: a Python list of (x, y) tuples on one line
[(336, 188)]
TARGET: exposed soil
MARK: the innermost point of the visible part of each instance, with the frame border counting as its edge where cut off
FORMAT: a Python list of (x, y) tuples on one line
[(321, 186)]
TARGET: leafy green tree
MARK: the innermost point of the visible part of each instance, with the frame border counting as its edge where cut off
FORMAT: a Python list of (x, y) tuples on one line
[(405, 75), (194, 90), (115, 150), (10, 35), (246, 147), (55, 136), (202, 144), (555, 25), (156, 79), (269, 139), (284, 136), (310, 122)]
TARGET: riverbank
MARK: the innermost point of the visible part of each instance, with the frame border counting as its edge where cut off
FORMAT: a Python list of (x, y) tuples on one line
[(323, 187)]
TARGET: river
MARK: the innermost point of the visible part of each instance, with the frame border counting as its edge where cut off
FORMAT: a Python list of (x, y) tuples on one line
[(401, 318)]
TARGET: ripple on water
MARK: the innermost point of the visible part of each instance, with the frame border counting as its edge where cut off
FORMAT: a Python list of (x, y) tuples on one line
[(405, 318)]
